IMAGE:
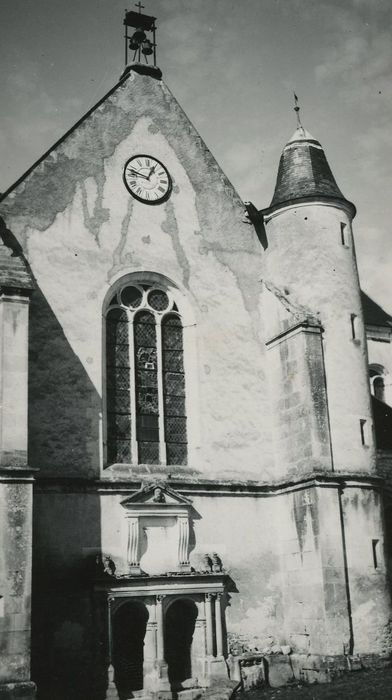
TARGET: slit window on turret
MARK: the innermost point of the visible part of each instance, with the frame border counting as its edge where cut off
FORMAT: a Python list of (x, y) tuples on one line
[(354, 326), (145, 378), (343, 234), (364, 431)]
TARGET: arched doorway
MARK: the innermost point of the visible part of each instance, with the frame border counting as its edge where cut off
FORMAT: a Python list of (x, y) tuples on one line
[(128, 632), (179, 628)]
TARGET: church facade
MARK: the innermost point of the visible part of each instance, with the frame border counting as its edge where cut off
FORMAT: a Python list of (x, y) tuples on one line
[(188, 461)]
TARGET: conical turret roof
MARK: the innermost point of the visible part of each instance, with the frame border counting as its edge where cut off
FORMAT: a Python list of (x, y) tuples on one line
[(304, 173)]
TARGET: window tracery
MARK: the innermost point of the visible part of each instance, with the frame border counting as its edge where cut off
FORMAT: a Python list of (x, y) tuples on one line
[(145, 395)]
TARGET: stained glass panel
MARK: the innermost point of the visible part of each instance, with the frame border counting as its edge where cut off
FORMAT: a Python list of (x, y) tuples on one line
[(158, 300), (119, 451), (174, 390), (173, 339), (117, 401), (174, 405), (131, 296), (147, 407), (148, 452), (144, 329), (173, 360), (175, 428), (176, 453), (118, 387)]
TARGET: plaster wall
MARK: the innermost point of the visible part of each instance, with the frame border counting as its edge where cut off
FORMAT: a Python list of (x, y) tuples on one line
[(81, 231), (306, 259)]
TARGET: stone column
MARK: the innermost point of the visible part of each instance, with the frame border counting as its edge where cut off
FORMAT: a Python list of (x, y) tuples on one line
[(162, 678), (183, 543), (111, 692), (160, 630), (218, 625), (209, 631), (150, 657), (133, 546)]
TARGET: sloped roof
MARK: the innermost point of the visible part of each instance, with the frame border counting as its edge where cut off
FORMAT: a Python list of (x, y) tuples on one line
[(374, 315), (304, 173)]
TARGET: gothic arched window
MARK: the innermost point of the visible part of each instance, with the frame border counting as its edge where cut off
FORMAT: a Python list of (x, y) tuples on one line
[(377, 383), (145, 393)]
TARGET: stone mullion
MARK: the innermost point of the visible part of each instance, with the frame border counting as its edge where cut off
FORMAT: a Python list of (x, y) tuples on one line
[(161, 407), (132, 389)]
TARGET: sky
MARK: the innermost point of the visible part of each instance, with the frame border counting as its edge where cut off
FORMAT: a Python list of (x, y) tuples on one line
[(233, 67)]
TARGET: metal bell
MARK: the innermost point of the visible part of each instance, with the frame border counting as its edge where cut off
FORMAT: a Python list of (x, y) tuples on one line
[(139, 36), (147, 47), (133, 45)]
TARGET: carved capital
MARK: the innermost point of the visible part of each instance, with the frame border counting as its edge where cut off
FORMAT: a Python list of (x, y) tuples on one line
[(210, 597), (160, 597)]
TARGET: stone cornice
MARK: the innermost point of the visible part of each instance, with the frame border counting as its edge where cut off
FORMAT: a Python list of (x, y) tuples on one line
[(209, 487)]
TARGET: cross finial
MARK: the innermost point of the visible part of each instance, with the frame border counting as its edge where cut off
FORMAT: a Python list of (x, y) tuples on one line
[(140, 6), (296, 110)]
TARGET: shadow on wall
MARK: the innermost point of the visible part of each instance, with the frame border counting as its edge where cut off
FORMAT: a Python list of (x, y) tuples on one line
[(382, 424), (64, 413), (64, 406), (69, 626)]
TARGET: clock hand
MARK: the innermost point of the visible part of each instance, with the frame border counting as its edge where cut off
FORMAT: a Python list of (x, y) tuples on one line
[(135, 172), (152, 170)]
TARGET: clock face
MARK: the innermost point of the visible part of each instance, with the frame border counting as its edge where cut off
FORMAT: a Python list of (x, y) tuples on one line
[(147, 179)]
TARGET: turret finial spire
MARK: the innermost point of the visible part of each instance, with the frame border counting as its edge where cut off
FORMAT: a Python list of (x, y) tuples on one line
[(296, 110)]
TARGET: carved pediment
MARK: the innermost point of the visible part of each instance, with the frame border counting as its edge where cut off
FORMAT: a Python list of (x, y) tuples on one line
[(156, 494), (159, 527)]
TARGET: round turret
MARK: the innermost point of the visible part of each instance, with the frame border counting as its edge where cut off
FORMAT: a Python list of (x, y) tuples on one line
[(310, 257), (304, 174)]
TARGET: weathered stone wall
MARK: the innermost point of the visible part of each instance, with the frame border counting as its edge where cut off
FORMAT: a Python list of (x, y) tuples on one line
[(291, 559), (15, 578), (298, 396), (305, 257), (367, 570)]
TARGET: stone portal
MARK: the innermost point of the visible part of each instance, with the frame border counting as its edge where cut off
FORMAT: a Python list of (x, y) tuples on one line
[(128, 632), (180, 623), (162, 631)]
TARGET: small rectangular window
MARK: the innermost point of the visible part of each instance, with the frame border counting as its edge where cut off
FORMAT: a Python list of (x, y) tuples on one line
[(374, 550), (343, 234), (1, 606), (363, 427), (354, 326)]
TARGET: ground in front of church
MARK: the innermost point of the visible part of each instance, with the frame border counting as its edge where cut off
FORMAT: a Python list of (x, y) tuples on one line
[(358, 685)]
